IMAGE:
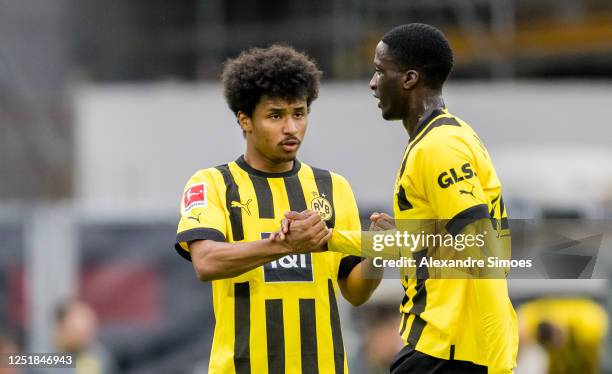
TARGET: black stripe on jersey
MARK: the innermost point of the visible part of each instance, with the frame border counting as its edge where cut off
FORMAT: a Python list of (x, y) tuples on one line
[(232, 194), (494, 200), (452, 352), (241, 162), (295, 193), (201, 233), (242, 324), (435, 113), (402, 200), (464, 218), (420, 126), (265, 200), (418, 324), (405, 299), (504, 224), (419, 300), (492, 212), (196, 234), (404, 324), (308, 336), (347, 264), (336, 332), (275, 331), (323, 179), (443, 121), (404, 162)]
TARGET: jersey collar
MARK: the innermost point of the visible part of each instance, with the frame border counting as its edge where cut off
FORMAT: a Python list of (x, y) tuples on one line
[(241, 162), (425, 121)]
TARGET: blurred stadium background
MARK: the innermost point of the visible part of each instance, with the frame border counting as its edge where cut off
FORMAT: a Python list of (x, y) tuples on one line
[(107, 107)]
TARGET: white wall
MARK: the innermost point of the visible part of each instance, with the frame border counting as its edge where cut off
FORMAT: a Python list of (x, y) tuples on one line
[(137, 145)]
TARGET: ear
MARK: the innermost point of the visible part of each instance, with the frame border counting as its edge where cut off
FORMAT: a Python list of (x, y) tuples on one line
[(244, 122), (411, 78)]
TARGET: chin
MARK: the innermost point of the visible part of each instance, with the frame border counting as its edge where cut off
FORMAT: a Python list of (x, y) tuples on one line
[(285, 158), (387, 116)]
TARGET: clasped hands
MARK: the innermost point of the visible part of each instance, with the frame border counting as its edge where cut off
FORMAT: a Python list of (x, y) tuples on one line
[(306, 232)]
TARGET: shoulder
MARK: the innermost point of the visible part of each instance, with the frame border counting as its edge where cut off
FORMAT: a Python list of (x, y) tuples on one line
[(339, 180), (446, 134), (211, 175), (322, 176)]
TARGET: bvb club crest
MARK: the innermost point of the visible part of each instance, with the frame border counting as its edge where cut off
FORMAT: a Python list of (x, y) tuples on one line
[(322, 206)]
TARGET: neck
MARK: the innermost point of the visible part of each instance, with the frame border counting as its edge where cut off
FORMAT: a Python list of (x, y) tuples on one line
[(420, 106), (260, 162)]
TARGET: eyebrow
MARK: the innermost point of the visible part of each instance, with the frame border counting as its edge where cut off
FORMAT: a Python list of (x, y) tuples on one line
[(277, 109)]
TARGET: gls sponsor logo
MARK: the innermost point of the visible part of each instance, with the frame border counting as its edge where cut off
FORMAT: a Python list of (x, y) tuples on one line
[(291, 268), (448, 178)]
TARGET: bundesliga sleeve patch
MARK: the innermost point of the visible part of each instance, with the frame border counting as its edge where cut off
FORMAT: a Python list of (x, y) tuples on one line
[(195, 196)]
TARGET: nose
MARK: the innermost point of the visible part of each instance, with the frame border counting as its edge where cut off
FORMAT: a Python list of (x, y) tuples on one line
[(291, 126), (373, 82)]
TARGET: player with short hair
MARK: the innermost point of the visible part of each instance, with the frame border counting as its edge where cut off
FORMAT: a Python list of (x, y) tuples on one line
[(454, 324), (275, 302)]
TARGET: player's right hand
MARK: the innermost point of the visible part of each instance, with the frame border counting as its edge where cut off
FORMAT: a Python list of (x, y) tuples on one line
[(303, 232), (381, 222)]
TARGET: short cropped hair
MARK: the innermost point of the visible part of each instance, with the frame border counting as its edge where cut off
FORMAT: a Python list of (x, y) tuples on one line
[(423, 48), (277, 72)]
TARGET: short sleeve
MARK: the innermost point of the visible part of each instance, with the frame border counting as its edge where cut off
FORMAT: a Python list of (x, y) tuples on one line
[(203, 215), (451, 183), (348, 221)]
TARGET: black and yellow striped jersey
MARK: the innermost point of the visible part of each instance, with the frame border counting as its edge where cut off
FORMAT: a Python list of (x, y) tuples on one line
[(282, 316), (447, 174)]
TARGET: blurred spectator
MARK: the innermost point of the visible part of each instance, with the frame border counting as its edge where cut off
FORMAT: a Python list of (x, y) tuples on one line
[(570, 331), (8, 344), (377, 325), (75, 332)]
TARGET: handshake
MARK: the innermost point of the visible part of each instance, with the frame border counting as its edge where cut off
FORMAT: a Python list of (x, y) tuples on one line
[(306, 231)]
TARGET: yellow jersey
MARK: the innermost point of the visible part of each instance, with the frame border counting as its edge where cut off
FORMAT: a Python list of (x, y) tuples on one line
[(447, 176), (584, 325), (282, 316)]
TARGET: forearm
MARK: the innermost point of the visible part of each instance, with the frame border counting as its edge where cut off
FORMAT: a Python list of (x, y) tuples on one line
[(361, 282), (217, 260), (361, 243)]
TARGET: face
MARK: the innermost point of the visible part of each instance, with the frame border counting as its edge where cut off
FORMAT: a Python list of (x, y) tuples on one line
[(388, 84), (276, 129), (78, 329)]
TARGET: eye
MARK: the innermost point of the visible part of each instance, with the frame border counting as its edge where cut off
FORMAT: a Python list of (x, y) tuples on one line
[(274, 115), (298, 114)]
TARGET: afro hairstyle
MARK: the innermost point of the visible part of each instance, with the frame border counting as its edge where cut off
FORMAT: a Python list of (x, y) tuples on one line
[(277, 72)]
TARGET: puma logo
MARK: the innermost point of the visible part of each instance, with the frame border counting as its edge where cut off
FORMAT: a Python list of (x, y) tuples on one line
[(245, 206), (464, 192), (196, 217)]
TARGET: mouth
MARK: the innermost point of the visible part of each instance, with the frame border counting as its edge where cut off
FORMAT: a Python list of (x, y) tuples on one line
[(290, 145), (377, 98)]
